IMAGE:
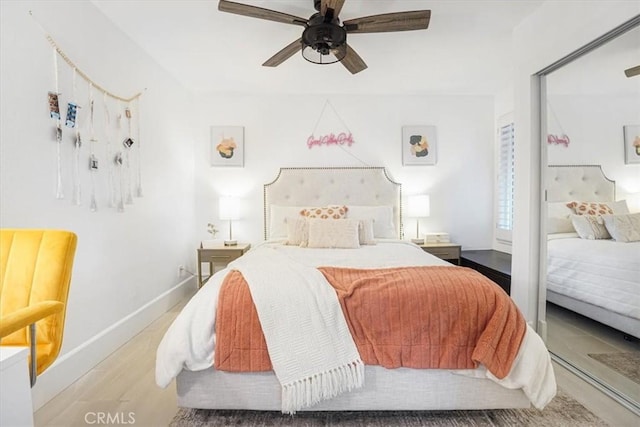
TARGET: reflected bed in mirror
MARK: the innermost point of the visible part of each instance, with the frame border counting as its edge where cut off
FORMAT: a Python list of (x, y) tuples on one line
[(587, 270), (592, 281), (585, 103)]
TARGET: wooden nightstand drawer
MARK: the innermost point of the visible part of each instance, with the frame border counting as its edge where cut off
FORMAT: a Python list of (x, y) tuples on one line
[(218, 255), (446, 251), (221, 255)]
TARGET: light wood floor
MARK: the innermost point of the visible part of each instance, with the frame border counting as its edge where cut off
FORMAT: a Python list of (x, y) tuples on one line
[(124, 385), (574, 337)]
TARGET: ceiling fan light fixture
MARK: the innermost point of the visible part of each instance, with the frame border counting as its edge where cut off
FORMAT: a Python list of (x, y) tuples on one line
[(323, 42), (328, 57)]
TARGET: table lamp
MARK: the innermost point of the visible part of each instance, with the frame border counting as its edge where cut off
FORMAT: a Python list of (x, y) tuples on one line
[(418, 206), (229, 209)]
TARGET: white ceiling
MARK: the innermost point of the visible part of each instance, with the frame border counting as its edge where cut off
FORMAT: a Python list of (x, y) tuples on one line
[(601, 71), (465, 50)]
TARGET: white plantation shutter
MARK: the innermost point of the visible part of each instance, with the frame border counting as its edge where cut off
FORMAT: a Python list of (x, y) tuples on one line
[(504, 213)]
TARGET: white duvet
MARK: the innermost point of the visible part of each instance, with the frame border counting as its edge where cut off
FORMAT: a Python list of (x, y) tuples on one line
[(604, 273), (189, 342)]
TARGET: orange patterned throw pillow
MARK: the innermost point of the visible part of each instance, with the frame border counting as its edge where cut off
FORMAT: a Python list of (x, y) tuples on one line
[(590, 208), (327, 212)]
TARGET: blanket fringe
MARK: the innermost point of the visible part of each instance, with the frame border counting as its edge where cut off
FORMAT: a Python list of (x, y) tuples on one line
[(309, 391)]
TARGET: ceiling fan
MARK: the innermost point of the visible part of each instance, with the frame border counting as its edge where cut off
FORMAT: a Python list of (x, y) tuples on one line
[(324, 39), (633, 71)]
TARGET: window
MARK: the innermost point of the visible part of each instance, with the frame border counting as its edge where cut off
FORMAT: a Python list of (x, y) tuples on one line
[(504, 209)]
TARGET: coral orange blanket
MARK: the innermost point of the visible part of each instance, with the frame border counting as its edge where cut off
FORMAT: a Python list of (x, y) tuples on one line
[(416, 317)]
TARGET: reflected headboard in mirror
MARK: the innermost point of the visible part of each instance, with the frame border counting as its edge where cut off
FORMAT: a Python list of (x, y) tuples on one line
[(580, 183), (321, 186)]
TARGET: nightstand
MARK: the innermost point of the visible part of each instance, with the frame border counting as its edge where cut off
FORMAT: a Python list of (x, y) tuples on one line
[(493, 264), (446, 251), (218, 254)]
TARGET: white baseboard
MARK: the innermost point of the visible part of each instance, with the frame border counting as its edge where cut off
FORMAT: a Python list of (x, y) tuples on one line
[(69, 367)]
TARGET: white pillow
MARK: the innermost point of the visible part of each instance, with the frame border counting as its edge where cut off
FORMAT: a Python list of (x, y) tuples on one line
[(365, 232), (278, 219), (619, 207), (339, 233), (297, 231), (623, 228), (559, 218), (590, 227), (383, 226)]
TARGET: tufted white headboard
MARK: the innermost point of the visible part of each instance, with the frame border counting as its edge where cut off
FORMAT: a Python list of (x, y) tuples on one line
[(366, 186), (579, 183)]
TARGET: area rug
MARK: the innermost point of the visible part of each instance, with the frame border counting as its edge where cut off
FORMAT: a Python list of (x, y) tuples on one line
[(627, 364), (562, 411)]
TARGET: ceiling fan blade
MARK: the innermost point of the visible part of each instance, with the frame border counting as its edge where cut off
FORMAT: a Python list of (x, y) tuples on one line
[(398, 21), (259, 12), (633, 71), (352, 61), (284, 54), (335, 5)]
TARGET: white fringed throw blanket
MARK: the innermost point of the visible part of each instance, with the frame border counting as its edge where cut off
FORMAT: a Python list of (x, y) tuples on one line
[(310, 346)]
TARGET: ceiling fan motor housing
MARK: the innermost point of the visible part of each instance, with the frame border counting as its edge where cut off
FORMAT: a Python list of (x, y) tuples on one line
[(324, 37)]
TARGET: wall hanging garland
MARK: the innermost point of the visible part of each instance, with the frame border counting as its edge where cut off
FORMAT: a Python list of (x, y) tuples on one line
[(123, 163), (327, 135)]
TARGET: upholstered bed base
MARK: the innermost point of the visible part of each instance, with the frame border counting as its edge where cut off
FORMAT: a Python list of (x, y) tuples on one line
[(625, 324), (385, 389)]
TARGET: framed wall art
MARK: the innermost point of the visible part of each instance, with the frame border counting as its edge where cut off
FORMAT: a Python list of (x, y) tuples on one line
[(419, 145), (227, 146), (632, 144)]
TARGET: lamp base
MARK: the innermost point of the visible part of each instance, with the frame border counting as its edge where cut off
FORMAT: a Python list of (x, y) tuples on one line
[(230, 242), (417, 241)]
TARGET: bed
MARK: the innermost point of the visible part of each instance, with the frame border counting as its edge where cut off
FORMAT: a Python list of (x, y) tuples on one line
[(593, 275), (187, 349)]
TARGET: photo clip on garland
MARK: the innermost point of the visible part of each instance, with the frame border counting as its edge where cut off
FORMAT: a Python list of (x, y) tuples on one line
[(119, 164), (128, 142), (54, 113), (93, 160)]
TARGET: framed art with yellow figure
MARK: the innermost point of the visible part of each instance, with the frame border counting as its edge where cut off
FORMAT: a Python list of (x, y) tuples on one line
[(419, 145), (227, 146)]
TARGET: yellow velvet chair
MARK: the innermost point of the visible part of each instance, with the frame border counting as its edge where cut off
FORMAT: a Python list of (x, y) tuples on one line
[(35, 273)]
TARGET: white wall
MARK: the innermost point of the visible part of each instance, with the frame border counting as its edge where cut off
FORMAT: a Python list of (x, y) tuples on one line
[(277, 128), (124, 261), (553, 31), (595, 125)]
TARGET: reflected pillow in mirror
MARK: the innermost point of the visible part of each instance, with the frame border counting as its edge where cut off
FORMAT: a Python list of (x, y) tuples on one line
[(559, 218), (590, 227), (590, 208), (623, 228)]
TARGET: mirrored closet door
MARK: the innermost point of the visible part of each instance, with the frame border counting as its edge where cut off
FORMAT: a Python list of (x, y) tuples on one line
[(592, 283)]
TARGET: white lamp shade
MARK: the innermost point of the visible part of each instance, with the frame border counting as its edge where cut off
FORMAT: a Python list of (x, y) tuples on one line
[(419, 206), (229, 208)]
